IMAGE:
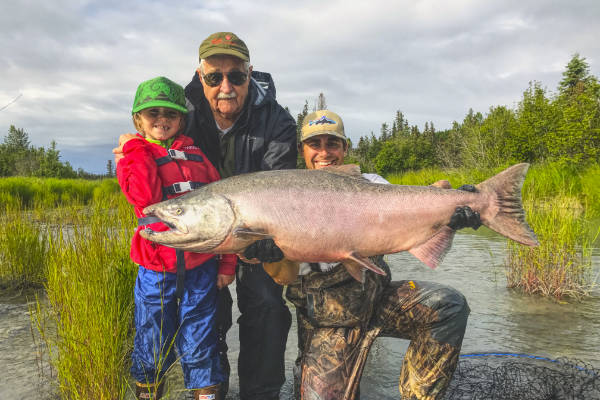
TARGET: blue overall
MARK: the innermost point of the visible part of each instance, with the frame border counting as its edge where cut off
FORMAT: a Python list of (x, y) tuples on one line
[(162, 325)]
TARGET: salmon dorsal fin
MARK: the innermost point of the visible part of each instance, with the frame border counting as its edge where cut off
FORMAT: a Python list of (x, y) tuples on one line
[(433, 251), (346, 169), (250, 234)]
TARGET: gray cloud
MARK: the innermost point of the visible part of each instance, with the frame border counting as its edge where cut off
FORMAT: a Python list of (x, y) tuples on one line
[(77, 64)]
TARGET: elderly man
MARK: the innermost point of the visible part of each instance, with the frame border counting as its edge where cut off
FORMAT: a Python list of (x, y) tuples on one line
[(240, 127), (339, 318)]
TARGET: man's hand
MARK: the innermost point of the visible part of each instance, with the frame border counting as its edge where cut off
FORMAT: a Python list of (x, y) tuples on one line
[(442, 184), (465, 217), (468, 188), (118, 151), (264, 250), (224, 280)]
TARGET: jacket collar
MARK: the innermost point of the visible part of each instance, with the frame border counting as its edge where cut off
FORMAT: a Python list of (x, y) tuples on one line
[(179, 141)]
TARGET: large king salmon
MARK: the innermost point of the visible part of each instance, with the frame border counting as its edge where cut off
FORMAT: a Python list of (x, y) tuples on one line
[(333, 214)]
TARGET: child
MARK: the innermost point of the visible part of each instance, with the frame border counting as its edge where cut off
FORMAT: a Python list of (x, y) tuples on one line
[(175, 291)]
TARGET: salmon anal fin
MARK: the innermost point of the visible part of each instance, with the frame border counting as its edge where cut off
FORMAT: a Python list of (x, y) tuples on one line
[(250, 234), (365, 263), (432, 252), (354, 269)]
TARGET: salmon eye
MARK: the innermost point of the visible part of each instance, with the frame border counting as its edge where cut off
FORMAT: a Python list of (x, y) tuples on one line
[(179, 211)]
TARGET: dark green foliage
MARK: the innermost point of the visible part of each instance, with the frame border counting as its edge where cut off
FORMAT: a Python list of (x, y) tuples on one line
[(299, 121), (577, 72), (110, 172), (562, 128), (576, 140), (403, 154), (321, 102), (19, 158)]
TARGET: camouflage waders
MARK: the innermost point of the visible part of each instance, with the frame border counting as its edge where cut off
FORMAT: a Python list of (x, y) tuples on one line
[(339, 318)]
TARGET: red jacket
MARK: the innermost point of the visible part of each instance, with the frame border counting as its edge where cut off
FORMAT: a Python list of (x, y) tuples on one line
[(145, 182)]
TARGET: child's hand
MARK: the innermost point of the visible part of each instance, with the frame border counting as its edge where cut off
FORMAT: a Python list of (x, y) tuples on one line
[(126, 138), (118, 151), (224, 280)]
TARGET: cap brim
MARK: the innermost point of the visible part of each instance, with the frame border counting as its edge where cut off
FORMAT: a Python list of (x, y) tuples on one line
[(317, 133), (159, 103), (229, 52)]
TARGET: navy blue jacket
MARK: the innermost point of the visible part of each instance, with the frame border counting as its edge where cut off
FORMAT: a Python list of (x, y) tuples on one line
[(265, 133)]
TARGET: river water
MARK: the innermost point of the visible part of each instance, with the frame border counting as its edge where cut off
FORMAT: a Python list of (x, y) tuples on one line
[(501, 320)]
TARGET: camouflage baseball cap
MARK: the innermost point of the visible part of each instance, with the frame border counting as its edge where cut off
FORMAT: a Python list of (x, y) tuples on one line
[(159, 92), (322, 122), (224, 43)]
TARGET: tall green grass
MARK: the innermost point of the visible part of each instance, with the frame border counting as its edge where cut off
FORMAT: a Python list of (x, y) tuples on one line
[(32, 208), (561, 265), (73, 238), (23, 250), (28, 192), (86, 328), (553, 180)]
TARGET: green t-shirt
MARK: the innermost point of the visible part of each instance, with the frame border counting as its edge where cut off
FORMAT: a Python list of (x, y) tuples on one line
[(163, 143)]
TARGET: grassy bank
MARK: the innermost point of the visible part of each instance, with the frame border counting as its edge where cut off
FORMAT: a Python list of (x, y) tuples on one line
[(72, 238), (23, 250), (33, 209), (561, 265), (559, 203), (75, 242), (43, 193), (86, 330)]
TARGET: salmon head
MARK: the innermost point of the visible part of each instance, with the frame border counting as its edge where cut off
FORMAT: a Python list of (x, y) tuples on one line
[(196, 223)]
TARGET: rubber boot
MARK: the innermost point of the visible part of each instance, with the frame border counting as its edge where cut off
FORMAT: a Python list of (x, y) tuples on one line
[(209, 393), (148, 391)]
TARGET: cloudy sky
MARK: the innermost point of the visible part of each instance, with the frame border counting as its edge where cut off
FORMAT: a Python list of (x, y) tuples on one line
[(73, 66)]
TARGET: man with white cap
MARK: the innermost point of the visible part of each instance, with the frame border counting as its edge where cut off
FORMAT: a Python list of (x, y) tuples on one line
[(339, 317)]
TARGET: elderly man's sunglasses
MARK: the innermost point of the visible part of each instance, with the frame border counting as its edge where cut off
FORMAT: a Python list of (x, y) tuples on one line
[(236, 78)]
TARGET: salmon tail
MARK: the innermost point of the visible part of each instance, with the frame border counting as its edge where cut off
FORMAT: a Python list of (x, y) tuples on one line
[(505, 214)]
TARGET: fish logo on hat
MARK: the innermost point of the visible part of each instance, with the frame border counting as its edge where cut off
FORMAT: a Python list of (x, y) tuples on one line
[(321, 121)]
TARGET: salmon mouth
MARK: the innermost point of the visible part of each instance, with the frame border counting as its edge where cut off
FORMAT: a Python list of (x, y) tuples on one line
[(175, 226), (176, 238)]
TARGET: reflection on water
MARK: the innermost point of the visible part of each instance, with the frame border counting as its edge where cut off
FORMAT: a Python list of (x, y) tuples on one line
[(501, 320), (21, 377)]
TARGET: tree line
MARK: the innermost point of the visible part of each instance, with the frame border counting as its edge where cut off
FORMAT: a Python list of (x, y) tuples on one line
[(562, 127), (19, 158)]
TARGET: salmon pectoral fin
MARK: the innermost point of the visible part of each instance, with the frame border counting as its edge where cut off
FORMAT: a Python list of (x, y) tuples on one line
[(283, 272), (354, 264), (244, 233), (432, 252)]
